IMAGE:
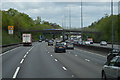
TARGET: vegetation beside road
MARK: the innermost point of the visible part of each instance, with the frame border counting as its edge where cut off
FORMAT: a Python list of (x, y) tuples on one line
[(104, 25), (22, 21)]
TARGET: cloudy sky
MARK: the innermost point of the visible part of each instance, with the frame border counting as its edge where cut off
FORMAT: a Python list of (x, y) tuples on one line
[(58, 11)]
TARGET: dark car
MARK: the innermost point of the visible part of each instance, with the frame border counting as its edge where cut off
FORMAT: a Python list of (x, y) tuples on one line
[(112, 54), (50, 43), (46, 40), (59, 47)]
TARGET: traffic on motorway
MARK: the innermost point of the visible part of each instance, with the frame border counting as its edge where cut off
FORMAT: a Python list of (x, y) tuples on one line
[(37, 61), (111, 68)]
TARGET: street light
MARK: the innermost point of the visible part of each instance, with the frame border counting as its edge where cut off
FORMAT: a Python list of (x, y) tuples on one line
[(69, 17), (112, 23), (81, 19)]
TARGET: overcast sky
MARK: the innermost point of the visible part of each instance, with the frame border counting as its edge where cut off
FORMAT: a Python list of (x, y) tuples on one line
[(58, 11)]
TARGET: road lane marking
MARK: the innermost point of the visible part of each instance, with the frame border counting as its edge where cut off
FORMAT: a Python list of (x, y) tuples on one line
[(31, 48), (50, 55), (56, 60), (72, 75), (27, 52), (87, 60), (91, 53), (21, 61), (9, 51), (64, 68), (25, 55), (16, 72), (75, 55)]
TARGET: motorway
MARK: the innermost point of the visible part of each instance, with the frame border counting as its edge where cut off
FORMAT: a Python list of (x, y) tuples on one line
[(40, 61)]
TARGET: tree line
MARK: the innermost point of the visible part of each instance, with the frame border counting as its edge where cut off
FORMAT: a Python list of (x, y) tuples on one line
[(22, 21), (104, 26)]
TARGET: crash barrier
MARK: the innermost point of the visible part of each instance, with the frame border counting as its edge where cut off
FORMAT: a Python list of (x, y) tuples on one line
[(101, 50), (9, 46)]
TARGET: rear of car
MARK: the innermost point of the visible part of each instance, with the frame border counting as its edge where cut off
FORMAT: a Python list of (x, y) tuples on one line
[(104, 43), (111, 70), (69, 46), (112, 54), (59, 47), (87, 42), (50, 43), (90, 40)]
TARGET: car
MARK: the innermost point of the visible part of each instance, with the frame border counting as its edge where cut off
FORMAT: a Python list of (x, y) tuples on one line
[(104, 43), (87, 42), (46, 40), (80, 42), (112, 54), (69, 46), (64, 43), (40, 40), (60, 47), (76, 42), (116, 50), (111, 70), (50, 43)]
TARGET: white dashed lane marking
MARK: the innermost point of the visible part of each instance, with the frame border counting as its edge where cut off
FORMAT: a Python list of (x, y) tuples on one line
[(64, 68), (16, 72), (56, 60), (21, 61), (25, 56), (87, 60)]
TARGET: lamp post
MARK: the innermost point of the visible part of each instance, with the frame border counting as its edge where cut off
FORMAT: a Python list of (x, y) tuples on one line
[(81, 20), (112, 24), (70, 17)]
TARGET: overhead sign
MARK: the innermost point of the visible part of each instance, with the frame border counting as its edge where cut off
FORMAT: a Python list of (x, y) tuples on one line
[(10, 29)]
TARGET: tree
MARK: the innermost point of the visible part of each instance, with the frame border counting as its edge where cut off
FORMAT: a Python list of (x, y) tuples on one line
[(38, 20)]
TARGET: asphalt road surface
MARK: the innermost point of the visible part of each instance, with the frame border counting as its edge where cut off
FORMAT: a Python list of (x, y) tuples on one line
[(108, 45), (40, 61)]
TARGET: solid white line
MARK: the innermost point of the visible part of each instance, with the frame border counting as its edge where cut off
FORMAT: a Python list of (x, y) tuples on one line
[(56, 60), (87, 60), (16, 72), (8, 51), (14, 49), (25, 56), (64, 68), (21, 61)]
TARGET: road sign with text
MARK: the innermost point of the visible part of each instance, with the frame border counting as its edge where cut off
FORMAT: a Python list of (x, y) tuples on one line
[(10, 29)]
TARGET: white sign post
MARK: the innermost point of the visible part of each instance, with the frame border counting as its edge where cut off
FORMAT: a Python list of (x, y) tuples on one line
[(10, 29)]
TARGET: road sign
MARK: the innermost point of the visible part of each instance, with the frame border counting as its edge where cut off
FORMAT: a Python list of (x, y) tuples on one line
[(10, 29)]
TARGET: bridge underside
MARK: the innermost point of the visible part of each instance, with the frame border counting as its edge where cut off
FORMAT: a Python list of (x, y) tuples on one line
[(74, 32)]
